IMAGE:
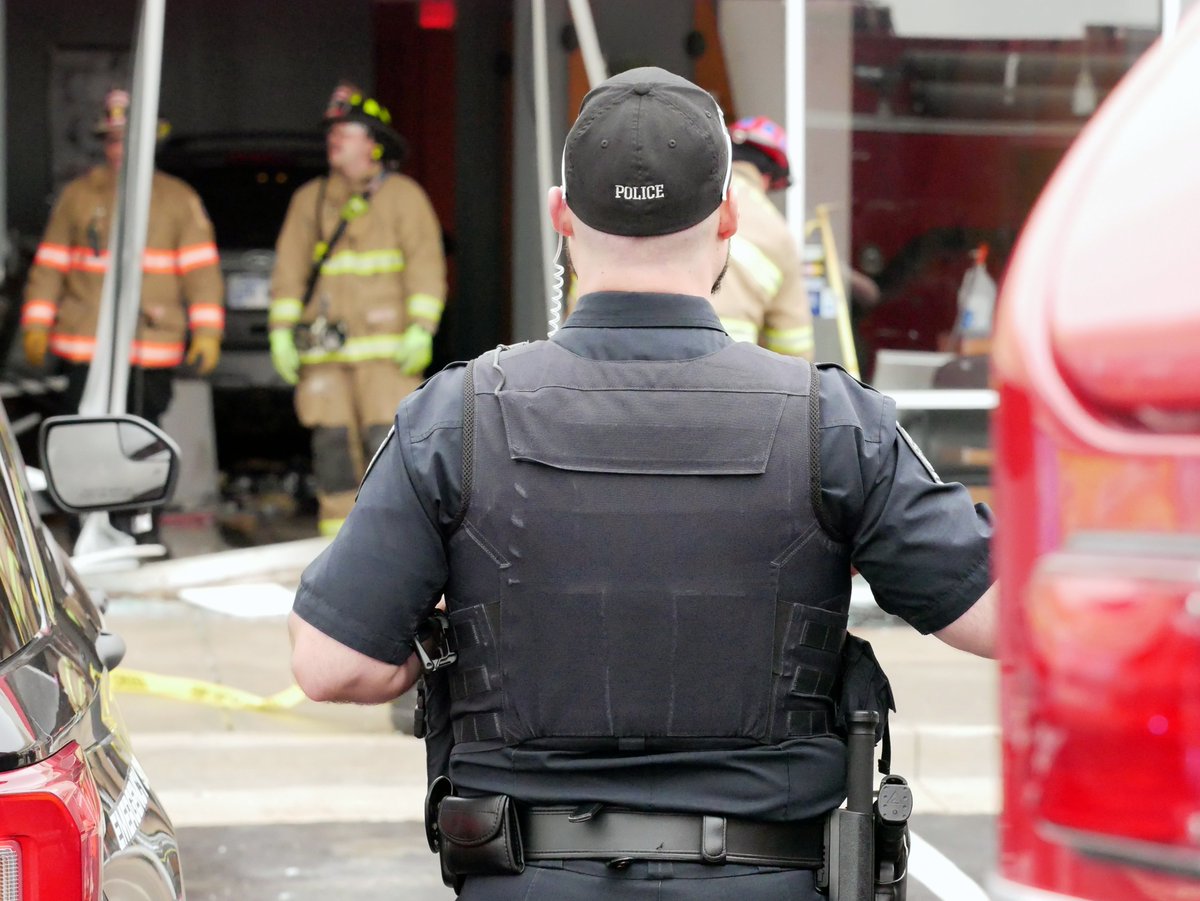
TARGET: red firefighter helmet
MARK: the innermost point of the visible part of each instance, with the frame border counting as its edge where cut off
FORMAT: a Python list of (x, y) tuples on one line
[(769, 138), (115, 117), (116, 113)]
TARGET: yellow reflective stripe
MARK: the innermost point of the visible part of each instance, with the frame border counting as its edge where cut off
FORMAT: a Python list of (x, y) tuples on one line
[(795, 342), (369, 262), (329, 527), (741, 329), (425, 306), (757, 264), (369, 347), (285, 310)]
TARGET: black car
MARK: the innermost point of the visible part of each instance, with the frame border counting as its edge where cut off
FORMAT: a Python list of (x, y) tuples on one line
[(79, 820)]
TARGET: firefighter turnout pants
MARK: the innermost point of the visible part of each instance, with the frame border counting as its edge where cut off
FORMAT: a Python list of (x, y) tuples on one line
[(349, 407)]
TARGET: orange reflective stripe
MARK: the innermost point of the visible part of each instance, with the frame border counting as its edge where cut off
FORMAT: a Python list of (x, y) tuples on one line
[(156, 354), (206, 315), (150, 354), (76, 348), (83, 260), (197, 256), (53, 256), (154, 262), (38, 312), (159, 262)]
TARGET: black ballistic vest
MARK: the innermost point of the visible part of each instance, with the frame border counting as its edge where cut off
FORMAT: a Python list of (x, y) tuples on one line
[(640, 566)]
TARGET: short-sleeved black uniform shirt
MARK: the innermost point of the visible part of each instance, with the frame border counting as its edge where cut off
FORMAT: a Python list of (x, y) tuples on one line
[(921, 544)]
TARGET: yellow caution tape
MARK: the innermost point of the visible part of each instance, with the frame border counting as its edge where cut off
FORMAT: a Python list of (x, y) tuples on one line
[(197, 691)]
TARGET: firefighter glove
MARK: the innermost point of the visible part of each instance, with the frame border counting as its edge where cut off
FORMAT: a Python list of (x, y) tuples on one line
[(284, 356), (416, 350), (204, 352), (35, 341)]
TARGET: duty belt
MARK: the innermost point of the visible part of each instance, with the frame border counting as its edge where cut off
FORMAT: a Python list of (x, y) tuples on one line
[(493, 835), (621, 836)]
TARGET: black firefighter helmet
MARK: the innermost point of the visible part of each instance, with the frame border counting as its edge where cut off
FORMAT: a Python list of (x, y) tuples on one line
[(349, 104)]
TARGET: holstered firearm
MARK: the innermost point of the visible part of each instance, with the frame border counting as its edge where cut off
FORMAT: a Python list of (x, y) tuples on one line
[(431, 718), (866, 842)]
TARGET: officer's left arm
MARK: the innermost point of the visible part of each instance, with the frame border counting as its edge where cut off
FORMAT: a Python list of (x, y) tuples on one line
[(922, 544), (975, 631), (424, 261)]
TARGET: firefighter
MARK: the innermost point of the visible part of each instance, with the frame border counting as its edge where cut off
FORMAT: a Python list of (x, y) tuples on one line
[(763, 299), (357, 293), (182, 291)]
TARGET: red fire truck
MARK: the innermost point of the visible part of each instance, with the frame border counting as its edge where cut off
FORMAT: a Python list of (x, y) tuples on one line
[(1097, 358)]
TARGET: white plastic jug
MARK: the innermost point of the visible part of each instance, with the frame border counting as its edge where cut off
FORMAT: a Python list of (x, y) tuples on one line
[(976, 298)]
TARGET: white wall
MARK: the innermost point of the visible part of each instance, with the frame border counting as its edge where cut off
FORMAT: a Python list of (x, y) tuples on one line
[(1017, 18), (752, 35)]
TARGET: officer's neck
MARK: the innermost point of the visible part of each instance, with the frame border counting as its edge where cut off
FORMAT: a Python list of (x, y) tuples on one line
[(601, 275)]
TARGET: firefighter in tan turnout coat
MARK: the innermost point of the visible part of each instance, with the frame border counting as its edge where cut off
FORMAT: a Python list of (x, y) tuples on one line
[(357, 293), (182, 290), (762, 297)]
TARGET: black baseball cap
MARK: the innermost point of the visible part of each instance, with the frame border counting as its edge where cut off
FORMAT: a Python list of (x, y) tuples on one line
[(648, 155)]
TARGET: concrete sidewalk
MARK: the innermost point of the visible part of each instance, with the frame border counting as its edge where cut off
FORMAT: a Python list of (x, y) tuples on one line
[(338, 762)]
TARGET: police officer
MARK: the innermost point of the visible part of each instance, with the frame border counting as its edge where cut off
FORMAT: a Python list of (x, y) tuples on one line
[(644, 533)]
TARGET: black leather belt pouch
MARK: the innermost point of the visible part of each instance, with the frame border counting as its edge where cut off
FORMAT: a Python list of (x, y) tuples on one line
[(480, 836)]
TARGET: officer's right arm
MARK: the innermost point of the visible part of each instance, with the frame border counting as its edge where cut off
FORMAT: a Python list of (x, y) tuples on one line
[(50, 266), (327, 670), (362, 601)]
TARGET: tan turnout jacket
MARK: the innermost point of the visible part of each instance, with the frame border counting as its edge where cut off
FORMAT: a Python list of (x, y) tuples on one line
[(181, 283), (385, 273), (763, 298)]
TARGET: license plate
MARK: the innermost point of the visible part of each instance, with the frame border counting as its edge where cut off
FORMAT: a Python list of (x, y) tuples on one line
[(248, 292)]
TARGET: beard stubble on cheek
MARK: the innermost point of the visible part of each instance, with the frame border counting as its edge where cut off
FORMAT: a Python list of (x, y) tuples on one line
[(720, 278), (568, 263)]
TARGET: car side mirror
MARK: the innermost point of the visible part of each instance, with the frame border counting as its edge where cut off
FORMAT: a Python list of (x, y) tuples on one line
[(107, 463)]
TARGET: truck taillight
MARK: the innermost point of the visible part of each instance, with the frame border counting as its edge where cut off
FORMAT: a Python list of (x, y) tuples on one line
[(10, 871), (50, 825), (1115, 731)]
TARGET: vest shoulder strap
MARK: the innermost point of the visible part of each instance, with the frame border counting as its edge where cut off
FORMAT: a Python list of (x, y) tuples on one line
[(468, 445), (814, 455)]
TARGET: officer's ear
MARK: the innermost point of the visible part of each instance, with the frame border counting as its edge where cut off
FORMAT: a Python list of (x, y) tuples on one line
[(560, 213), (727, 222)]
